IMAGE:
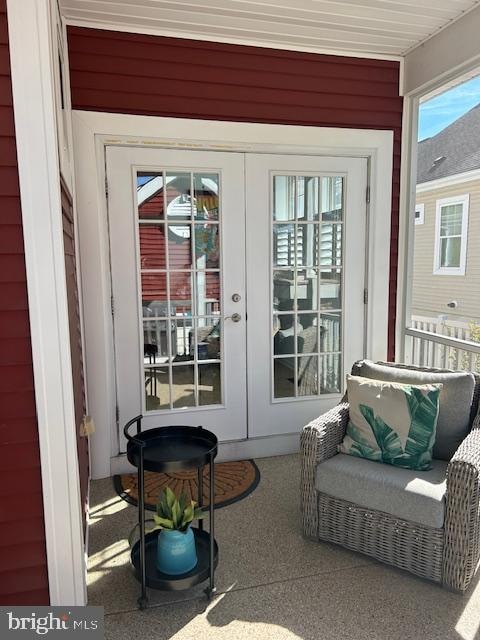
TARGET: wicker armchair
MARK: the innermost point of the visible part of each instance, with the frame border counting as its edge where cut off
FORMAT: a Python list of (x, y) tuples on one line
[(448, 556)]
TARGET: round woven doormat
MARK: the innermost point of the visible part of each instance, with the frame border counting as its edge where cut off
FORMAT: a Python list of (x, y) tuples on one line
[(233, 481)]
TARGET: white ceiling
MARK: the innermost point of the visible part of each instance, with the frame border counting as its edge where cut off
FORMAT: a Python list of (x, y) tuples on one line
[(365, 27)]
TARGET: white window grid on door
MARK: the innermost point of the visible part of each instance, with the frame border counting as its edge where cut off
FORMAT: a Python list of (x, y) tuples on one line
[(441, 204), (335, 192), (180, 324)]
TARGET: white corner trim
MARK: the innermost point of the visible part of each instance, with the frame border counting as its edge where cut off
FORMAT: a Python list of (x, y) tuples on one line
[(31, 54), (93, 132), (448, 181), (464, 200), (408, 173)]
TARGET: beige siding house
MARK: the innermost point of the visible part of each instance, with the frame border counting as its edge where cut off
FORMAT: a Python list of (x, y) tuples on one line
[(447, 223)]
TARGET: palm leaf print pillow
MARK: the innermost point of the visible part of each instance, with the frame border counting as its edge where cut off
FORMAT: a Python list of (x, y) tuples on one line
[(391, 422)]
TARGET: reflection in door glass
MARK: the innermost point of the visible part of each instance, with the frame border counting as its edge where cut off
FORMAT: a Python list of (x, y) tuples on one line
[(180, 278), (307, 274)]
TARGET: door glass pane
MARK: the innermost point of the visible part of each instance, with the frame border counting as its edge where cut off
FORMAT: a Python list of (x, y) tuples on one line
[(330, 289), (308, 199), (155, 342), (183, 386), (207, 293), (284, 377), (178, 196), (152, 246), (180, 292), (331, 245), (284, 334), (180, 279), (207, 246), (206, 196), (332, 199), (307, 289), (330, 332), (209, 384), (284, 243), (283, 198), (150, 198), (182, 339), (330, 373), (307, 375), (307, 244), (179, 246), (157, 388), (154, 294), (209, 338), (307, 333)]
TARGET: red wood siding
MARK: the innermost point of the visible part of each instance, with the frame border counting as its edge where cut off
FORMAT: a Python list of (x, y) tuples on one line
[(23, 563), (151, 75), (75, 345)]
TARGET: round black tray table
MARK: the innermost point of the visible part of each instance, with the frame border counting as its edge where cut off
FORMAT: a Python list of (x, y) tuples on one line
[(163, 450)]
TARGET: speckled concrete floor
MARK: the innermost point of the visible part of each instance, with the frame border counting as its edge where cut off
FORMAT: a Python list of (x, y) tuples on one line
[(272, 584)]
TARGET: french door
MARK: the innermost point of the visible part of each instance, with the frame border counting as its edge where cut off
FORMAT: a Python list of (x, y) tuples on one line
[(237, 283), (305, 222)]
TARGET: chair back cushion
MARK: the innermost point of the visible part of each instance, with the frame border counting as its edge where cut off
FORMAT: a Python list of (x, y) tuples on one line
[(456, 396), (391, 422)]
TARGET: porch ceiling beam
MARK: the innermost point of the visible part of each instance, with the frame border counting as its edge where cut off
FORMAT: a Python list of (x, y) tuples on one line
[(453, 51)]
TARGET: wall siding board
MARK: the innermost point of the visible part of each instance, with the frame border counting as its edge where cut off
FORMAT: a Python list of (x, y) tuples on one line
[(75, 346), (23, 561), (431, 293), (151, 75)]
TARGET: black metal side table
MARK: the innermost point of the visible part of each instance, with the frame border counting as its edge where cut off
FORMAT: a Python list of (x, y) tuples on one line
[(167, 449)]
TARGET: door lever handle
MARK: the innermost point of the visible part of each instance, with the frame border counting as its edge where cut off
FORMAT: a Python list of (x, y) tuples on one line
[(235, 317)]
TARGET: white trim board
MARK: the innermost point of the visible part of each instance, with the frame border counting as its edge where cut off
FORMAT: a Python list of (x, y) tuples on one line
[(448, 181), (31, 54), (93, 131)]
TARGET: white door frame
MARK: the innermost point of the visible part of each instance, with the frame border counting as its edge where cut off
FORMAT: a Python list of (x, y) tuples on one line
[(94, 131)]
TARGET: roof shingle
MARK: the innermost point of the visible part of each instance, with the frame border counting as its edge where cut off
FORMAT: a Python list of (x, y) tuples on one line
[(455, 149)]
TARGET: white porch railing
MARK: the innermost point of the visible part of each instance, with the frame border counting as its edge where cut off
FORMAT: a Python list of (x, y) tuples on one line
[(435, 342)]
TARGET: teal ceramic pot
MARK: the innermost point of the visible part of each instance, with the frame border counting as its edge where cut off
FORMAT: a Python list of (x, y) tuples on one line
[(176, 553)]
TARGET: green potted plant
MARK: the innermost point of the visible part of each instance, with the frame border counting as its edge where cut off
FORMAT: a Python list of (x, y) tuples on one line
[(176, 552)]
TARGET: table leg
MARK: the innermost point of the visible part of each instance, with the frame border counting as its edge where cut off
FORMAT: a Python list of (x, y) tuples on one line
[(200, 495), (143, 600), (211, 589)]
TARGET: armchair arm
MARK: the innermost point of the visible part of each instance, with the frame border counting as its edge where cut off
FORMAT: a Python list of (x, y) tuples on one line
[(462, 523), (318, 441)]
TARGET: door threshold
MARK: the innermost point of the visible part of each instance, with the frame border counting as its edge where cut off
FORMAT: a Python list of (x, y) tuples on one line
[(262, 447)]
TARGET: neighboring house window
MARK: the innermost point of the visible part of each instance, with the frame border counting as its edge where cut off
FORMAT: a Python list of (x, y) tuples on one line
[(451, 235), (419, 213)]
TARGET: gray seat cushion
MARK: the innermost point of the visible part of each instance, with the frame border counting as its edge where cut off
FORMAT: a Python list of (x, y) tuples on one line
[(455, 400), (416, 496)]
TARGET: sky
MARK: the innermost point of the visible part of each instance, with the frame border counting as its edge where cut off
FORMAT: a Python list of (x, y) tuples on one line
[(439, 112)]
